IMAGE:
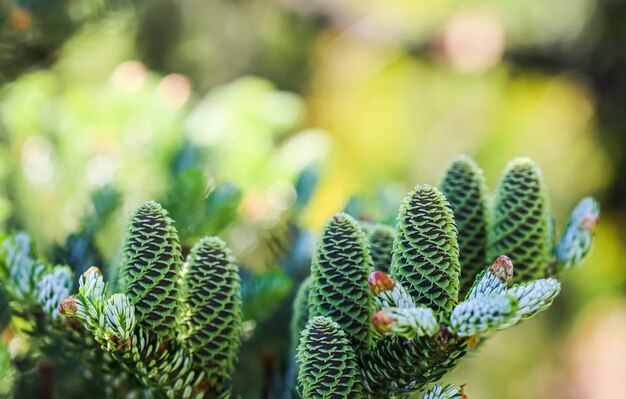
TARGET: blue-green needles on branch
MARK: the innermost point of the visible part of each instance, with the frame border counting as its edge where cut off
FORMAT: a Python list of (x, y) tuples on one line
[(176, 329), (386, 311), (458, 271)]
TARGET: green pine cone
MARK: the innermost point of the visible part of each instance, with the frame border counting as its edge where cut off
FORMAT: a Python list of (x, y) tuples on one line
[(213, 315), (339, 288), (395, 364), (520, 225), (326, 362), (380, 238), (425, 253), (300, 311), (464, 186), (151, 269)]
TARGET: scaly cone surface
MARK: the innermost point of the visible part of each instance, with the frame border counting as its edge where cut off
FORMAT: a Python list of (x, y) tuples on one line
[(300, 311), (395, 363), (339, 271), (151, 269), (464, 186), (380, 239), (212, 323), (520, 223), (425, 252), (327, 363)]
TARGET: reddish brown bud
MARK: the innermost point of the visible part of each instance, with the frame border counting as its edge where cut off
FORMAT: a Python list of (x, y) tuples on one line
[(68, 307), (92, 269), (382, 321), (380, 282), (472, 342), (463, 395), (502, 268), (589, 223)]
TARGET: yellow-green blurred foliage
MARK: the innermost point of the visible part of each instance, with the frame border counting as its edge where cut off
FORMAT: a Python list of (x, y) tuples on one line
[(97, 117)]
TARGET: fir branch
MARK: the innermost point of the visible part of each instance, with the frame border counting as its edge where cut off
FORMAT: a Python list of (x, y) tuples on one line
[(532, 298), (406, 322), (388, 293), (481, 315), (21, 271), (194, 360), (444, 392), (577, 238), (53, 288), (492, 281)]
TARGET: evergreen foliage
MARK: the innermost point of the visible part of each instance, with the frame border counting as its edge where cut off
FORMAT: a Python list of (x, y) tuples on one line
[(478, 316), (174, 350), (174, 331), (440, 298), (577, 239), (444, 392)]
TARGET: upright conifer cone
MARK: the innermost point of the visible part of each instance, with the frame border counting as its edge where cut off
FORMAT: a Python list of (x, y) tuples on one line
[(425, 252), (380, 238), (212, 323), (520, 223), (300, 315), (151, 269), (326, 362), (339, 287), (463, 184)]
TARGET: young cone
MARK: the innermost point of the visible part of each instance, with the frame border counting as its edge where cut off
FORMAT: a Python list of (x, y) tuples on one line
[(327, 363), (339, 288), (380, 238), (425, 252), (151, 269), (464, 186), (212, 321), (300, 311), (520, 226)]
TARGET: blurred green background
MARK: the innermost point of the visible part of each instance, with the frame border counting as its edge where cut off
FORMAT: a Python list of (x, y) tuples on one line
[(374, 96)]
